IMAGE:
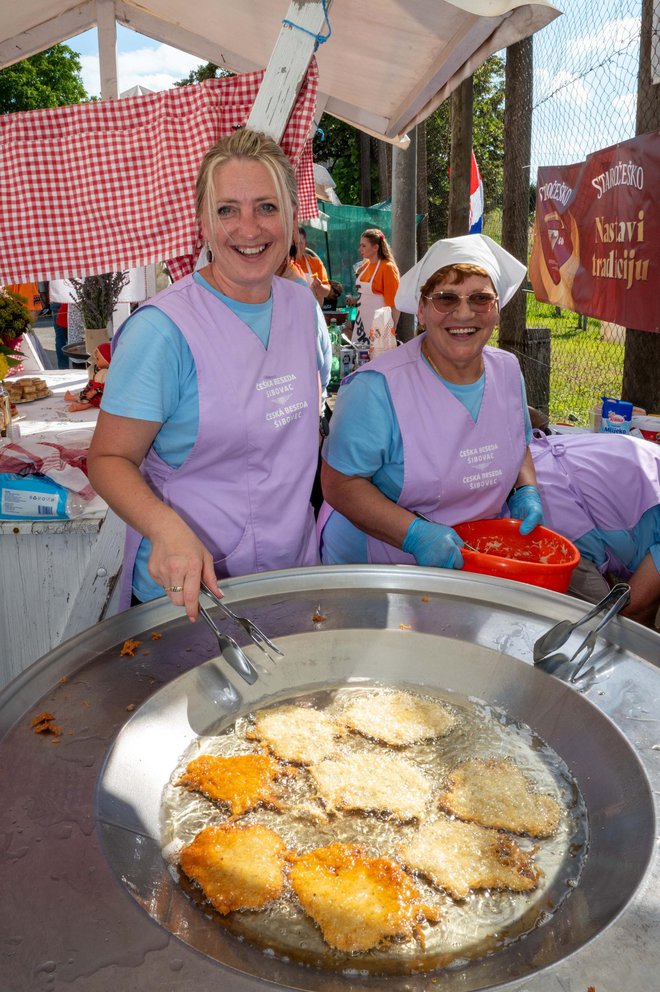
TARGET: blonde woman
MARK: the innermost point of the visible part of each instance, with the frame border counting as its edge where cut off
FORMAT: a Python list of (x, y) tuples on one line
[(207, 438)]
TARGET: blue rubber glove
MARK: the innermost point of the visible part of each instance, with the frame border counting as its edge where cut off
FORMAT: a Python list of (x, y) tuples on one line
[(433, 544), (525, 504)]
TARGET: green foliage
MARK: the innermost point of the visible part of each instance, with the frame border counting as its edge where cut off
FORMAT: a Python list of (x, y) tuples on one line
[(202, 72), (487, 141), (15, 317), (97, 297), (338, 148), (48, 79)]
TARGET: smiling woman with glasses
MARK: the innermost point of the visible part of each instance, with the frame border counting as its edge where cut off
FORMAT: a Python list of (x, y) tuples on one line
[(435, 432), (448, 302)]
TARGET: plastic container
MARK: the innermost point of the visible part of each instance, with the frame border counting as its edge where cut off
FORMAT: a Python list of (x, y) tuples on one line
[(542, 558), (36, 497), (648, 427), (616, 416)]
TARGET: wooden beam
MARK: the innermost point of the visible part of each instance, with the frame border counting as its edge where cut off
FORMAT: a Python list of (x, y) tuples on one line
[(179, 37), (107, 32), (287, 67), (50, 32)]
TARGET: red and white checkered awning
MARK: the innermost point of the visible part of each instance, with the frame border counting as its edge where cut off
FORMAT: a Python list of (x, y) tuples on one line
[(99, 187)]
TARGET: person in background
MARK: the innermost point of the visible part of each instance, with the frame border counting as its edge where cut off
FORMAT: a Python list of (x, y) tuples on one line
[(60, 318), (207, 437), (289, 269), (616, 528), (436, 431), (312, 268), (377, 283)]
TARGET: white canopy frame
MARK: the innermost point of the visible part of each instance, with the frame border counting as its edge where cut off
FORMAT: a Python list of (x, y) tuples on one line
[(386, 66)]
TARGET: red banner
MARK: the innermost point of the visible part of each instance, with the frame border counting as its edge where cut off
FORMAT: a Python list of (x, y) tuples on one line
[(596, 243)]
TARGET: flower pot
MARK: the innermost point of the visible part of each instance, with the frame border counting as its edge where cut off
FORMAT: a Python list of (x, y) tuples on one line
[(94, 336)]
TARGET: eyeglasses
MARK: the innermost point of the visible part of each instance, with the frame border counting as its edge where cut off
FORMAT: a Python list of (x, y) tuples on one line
[(447, 302)]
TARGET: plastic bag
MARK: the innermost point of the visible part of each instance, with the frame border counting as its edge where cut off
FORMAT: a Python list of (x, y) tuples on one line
[(382, 333)]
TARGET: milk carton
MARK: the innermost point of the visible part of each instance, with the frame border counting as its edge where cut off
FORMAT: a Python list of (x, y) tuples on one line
[(616, 416)]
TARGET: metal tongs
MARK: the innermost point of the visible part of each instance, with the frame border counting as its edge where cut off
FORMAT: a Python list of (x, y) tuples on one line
[(254, 633), (553, 639), (230, 651)]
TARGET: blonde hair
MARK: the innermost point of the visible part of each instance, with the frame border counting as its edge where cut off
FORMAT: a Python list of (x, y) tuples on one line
[(457, 274), (257, 147), (384, 251)]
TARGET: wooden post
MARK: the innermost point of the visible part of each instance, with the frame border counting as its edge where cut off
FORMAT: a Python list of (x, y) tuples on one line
[(462, 100), (287, 66), (365, 169), (641, 382), (107, 34), (404, 171)]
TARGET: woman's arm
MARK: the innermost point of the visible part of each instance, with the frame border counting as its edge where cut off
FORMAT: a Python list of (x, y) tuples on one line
[(644, 593), (178, 557), (527, 473), (365, 506)]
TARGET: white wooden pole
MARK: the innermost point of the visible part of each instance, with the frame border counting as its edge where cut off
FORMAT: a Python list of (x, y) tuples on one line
[(107, 32), (287, 66)]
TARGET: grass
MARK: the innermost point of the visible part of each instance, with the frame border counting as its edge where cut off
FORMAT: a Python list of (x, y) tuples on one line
[(583, 367)]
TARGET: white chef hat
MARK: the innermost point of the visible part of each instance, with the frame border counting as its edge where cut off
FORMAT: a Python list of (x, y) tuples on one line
[(505, 271)]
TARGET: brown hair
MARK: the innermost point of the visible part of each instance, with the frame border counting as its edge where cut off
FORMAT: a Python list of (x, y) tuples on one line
[(258, 147), (384, 251), (456, 274)]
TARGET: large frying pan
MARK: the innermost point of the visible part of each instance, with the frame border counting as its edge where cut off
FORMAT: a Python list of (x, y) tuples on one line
[(87, 900)]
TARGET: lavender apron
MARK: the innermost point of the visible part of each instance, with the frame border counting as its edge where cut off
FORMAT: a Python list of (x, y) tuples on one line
[(454, 470), (245, 486), (604, 481)]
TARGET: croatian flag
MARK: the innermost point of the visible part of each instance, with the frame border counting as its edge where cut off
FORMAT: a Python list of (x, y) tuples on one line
[(476, 198)]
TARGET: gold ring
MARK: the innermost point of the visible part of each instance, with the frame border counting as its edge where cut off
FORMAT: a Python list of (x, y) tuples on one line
[(175, 588)]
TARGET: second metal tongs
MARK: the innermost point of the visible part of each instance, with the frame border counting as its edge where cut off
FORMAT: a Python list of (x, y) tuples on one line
[(254, 633), (554, 638)]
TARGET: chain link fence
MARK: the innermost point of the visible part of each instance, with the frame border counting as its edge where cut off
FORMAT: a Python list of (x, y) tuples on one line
[(586, 71)]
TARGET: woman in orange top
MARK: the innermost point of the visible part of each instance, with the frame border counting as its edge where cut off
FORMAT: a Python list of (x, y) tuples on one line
[(377, 283)]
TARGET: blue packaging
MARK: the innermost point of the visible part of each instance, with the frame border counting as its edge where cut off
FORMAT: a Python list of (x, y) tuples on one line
[(616, 416), (32, 497)]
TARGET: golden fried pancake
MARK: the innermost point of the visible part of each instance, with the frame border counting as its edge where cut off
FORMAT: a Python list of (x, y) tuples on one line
[(296, 733), (459, 856), (237, 867), (356, 900), (244, 780), (380, 783), (397, 718), (495, 793)]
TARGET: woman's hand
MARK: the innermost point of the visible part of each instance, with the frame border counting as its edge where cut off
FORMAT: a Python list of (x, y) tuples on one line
[(433, 544), (525, 504), (179, 562)]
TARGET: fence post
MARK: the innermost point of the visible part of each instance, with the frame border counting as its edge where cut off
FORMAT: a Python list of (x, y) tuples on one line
[(535, 364)]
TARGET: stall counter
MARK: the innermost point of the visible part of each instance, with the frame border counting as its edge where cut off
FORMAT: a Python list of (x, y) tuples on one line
[(57, 576)]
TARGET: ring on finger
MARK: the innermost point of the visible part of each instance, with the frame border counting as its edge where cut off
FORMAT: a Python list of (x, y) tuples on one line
[(175, 589)]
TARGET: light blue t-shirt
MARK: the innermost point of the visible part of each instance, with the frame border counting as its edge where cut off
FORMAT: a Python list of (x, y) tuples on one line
[(152, 376), (375, 451)]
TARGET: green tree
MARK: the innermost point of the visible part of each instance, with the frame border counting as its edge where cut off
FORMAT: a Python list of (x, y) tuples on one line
[(202, 72), (488, 144), (338, 149), (48, 79)]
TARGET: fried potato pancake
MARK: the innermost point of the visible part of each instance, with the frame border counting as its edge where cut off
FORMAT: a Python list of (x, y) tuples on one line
[(296, 733), (397, 718), (495, 793), (458, 857), (237, 867), (243, 780), (377, 783), (356, 900)]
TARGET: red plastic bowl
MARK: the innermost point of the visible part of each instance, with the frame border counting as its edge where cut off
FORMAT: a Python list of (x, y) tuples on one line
[(542, 558)]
